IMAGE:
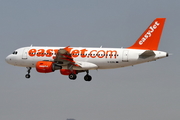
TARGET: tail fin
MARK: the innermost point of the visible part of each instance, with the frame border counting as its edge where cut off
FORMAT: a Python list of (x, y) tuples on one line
[(150, 39)]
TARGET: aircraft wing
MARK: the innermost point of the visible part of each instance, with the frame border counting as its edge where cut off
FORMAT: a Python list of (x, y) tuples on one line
[(64, 58), (87, 65)]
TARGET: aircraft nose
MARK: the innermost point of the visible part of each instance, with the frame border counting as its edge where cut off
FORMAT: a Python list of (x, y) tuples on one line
[(8, 59)]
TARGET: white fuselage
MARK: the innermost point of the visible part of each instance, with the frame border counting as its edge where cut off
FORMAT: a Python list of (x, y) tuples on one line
[(104, 58)]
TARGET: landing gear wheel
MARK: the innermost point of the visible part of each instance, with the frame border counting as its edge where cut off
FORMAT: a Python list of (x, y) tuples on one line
[(27, 76), (72, 76), (87, 78)]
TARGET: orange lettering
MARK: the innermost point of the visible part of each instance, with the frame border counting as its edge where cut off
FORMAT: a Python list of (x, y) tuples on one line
[(102, 52), (32, 52), (49, 52), (91, 53), (83, 53), (111, 53), (75, 53), (56, 51), (68, 49), (40, 53)]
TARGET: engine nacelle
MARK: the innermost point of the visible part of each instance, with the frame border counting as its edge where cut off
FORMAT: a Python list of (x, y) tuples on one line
[(67, 71), (46, 66)]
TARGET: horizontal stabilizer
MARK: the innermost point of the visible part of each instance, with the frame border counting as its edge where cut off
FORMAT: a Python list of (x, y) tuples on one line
[(146, 54)]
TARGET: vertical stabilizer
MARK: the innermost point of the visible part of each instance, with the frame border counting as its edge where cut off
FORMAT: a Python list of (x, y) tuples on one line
[(150, 39)]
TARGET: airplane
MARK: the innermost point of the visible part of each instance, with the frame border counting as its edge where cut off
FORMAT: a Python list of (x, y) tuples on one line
[(73, 60)]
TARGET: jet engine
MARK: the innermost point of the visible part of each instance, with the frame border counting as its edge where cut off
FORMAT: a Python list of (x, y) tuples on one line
[(46, 66)]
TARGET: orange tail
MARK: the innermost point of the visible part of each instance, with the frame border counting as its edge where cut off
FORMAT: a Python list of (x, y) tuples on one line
[(150, 39)]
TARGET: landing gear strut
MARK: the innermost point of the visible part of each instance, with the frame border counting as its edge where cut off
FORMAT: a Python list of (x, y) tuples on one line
[(29, 70), (87, 77)]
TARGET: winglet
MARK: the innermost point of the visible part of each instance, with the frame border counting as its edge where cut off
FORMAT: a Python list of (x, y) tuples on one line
[(150, 39)]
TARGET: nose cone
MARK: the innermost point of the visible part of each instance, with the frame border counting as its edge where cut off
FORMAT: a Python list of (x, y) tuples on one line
[(8, 59)]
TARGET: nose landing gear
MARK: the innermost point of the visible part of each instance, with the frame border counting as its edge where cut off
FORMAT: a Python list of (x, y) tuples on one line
[(29, 70)]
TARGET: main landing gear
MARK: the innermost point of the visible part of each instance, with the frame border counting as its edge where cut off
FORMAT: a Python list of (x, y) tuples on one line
[(87, 77), (72, 76), (29, 70)]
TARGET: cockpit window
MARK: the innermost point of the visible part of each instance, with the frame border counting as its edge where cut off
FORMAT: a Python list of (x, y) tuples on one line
[(15, 52)]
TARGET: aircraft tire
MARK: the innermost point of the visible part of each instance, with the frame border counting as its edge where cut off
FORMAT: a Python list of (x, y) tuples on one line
[(87, 78), (27, 76), (72, 76)]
